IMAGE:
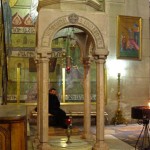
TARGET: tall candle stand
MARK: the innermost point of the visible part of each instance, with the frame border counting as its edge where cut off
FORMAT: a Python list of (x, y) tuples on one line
[(118, 118)]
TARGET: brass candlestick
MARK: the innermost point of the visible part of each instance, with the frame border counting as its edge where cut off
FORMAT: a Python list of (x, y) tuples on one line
[(69, 129), (118, 119)]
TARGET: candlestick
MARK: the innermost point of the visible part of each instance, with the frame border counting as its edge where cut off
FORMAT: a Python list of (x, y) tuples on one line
[(118, 119), (69, 129)]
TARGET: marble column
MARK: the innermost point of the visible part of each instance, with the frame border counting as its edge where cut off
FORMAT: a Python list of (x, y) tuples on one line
[(36, 140), (87, 100), (100, 144), (43, 101)]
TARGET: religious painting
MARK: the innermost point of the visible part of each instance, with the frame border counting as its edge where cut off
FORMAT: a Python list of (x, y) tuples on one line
[(129, 37)]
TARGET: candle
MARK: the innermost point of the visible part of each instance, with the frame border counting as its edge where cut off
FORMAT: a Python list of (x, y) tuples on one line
[(149, 104)]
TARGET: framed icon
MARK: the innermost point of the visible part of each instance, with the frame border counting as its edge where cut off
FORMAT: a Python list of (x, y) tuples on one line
[(129, 34)]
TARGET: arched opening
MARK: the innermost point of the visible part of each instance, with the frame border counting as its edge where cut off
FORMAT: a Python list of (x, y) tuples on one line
[(66, 63)]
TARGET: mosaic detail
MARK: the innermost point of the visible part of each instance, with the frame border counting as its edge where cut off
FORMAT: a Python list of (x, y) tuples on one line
[(17, 21), (27, 54), (23, 31), (23, 40)]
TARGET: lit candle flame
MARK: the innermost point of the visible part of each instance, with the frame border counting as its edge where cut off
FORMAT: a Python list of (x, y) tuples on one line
[(149, 104)]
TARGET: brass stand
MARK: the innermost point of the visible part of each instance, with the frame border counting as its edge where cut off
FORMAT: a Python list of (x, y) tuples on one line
[(69, 129), (118, 119)]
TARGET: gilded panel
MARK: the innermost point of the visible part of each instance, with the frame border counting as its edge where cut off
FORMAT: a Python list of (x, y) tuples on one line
[(23, 40)]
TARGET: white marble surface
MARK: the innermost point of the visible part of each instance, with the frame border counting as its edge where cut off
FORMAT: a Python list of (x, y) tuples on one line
[(59, 143)]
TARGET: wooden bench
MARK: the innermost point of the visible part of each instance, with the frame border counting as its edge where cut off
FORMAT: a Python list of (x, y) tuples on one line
[(32, 113), (75, 114)]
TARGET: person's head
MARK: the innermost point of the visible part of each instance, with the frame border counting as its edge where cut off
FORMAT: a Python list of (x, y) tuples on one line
[(52, 91)]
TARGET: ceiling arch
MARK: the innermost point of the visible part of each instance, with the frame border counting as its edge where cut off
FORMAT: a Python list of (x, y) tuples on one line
[(95, 4)]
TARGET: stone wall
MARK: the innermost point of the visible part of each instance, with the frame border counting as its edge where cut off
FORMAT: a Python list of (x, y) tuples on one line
[(134, 82)]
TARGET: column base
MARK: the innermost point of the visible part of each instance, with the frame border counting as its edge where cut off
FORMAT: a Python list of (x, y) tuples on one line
[(36, 140), (100, 145), (44, 146), (88, 136)]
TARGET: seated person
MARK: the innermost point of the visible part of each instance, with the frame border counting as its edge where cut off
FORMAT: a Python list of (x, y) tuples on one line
[(54, 108)]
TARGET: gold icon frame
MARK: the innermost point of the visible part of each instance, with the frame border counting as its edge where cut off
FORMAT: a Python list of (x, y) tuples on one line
[(129, 35)]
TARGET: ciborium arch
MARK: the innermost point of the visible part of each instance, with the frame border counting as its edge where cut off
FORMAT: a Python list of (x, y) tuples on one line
[(92, 34)]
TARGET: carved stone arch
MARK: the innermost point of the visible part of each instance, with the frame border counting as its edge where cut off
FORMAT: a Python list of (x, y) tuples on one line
[(77, 21)]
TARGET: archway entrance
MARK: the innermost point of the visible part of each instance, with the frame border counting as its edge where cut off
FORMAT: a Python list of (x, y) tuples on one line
[(66, 67), (92, 48)]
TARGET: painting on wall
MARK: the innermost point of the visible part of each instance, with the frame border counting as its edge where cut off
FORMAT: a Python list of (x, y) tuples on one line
[(129, 37)]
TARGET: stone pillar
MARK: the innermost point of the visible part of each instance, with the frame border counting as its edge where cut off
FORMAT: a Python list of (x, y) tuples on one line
[(87, 99), (100, 144), (43, 74), (38, 102), (36, 140)]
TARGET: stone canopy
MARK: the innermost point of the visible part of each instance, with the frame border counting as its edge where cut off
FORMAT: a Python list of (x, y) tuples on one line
[(52, 19)]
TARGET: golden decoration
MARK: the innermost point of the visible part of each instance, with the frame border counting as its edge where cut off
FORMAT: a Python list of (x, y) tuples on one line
[(118, 118), (12, 2)]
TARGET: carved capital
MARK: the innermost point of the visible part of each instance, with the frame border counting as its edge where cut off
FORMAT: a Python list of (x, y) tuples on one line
[(43, 52), (101, 53), (87, 60), (100, 61), (41, 60), (100, 56)]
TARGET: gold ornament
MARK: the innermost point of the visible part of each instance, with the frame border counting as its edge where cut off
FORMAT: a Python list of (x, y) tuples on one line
[(12, 2)]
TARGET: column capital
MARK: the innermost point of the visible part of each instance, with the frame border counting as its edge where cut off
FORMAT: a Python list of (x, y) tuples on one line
[(100, 55), (99, 60), (41, 60), (43, 52), (87, 60), (101, 52)]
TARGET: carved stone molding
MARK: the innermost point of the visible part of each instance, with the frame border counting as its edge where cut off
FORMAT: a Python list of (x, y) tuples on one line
[(76, 20), (73, 18)]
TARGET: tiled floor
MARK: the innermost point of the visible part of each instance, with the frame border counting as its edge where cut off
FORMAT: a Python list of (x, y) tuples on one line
[(57, 141)]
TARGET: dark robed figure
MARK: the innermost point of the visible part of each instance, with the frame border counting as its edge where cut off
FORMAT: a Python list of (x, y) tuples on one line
[(59, 116)]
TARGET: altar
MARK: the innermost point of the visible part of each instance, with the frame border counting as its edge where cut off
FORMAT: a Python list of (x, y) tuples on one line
[(13, 127)]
